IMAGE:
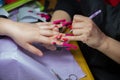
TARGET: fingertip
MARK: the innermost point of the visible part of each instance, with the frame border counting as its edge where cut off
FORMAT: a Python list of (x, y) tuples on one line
[(37, 52), (34, 50), (79, 18), (40, 53)]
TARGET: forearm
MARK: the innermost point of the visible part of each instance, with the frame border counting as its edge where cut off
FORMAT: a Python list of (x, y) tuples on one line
[(60, 14), (4, 23), (111, 48)]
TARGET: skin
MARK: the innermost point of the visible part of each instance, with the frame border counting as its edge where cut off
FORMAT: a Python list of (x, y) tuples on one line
[(24, 34), (86, 31), (56, 17)]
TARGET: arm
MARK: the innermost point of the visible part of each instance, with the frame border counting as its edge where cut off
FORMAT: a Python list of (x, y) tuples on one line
[(63, 10), (24, 34), (111, 48), (85, 30), (60, 14)]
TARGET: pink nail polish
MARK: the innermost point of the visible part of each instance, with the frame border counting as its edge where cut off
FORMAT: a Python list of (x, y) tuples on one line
[(65, 39), (66, 23), (58, 21), (71, 46), (54, 43), (56, 26), (70, 26), (60, 36), (68, 49), (69, 35)]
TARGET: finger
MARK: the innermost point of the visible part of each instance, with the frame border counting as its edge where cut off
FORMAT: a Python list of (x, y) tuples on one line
[(78, 25), (44, 40), (59, 26), (33, 49), (48, 32), (78, 32), (55, 29), (46, 26), (80, 18), (75, 38), (50, 47), (43, 23), (47, 40)]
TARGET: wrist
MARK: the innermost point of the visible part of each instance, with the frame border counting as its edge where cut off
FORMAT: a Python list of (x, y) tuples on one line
[(5, 26), (104, 44)]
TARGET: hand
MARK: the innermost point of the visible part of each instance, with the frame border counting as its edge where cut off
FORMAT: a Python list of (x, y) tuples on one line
[(85, 30), (50, 46), (24, 34)]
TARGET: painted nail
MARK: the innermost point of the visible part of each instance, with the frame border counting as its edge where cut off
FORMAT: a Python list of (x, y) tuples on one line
[(66, 23), (58, 21), (59, 36), (70, 26), (65, 39), (54, 43), (56, 26), (69, 34), (71, 46), (68, 49)]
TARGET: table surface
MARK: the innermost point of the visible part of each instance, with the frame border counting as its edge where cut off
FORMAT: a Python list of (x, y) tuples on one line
[(82, 63)]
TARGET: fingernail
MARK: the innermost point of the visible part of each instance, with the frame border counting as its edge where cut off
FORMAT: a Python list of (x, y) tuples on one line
[(71, 46), (70, 27), (59, 36), (56, 26), (54, 43), (69, 34), (68, 49), (65, 39), (66, 23), (58, 21)]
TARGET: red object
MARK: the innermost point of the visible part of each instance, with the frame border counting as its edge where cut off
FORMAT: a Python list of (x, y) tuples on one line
[(69, 34), (113, 2), (65, 39), (59, 36), (58, 21), (66, 23), (54, 43), (70, 26), (70, 46), (10, 1)]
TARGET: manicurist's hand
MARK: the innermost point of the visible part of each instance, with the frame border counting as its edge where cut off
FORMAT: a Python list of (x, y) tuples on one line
[(85, 30)]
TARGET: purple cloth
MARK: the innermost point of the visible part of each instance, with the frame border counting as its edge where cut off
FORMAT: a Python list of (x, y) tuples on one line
[(18, 64)]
